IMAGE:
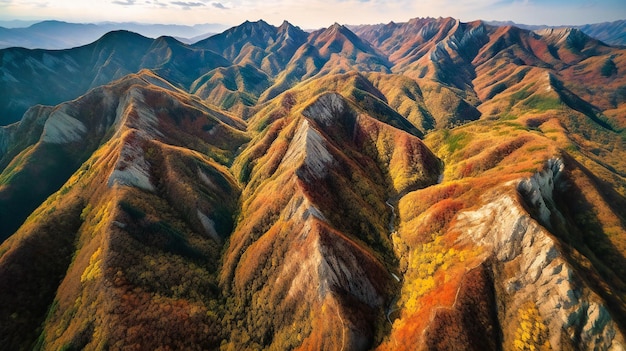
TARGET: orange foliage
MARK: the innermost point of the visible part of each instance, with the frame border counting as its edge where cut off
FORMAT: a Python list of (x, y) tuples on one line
[(408, 329)]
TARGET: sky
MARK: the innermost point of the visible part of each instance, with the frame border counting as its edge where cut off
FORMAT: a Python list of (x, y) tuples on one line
[(313, 14)]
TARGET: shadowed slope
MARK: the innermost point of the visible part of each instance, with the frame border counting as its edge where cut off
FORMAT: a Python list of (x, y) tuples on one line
[(326, 155), (259, 44), (63, 137), (152, 204), (27, 75)]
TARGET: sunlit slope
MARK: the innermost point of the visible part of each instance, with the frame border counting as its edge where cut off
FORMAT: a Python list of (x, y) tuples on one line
[(150, 202), (311, 250), (51, 143), (431, 185), (523, 199)]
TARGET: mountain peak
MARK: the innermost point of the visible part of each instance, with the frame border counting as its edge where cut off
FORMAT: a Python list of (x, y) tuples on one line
[(117, 37), (286, 25), (254, 23), (169, 40), (288, 28), (338, 28), (335, 32), (309, 148), (570, 37), (326, 109)]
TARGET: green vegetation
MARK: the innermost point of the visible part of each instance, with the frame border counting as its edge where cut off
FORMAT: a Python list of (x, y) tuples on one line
[(543, 103), (455, 141), (15, 166), (520, 95), (608, 68), (497, 89)]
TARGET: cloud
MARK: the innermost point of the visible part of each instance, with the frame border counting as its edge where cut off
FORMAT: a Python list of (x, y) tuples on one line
[(39, 4), (219, 5), (156, 3), (124, 2), (187, 4)]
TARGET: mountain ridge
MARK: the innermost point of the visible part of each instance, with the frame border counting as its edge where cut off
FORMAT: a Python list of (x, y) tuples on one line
[(58, 35), (432, 184)]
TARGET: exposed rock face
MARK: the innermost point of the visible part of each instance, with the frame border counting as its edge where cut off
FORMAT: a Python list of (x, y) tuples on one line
[(326, 109), (331, 266), (61, 128), (133, 112), (209, 226), (538, 189), (131, 168), (534, 267), (309, 147)]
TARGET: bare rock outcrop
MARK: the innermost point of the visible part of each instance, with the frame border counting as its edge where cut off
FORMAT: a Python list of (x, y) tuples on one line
[(532, 267)]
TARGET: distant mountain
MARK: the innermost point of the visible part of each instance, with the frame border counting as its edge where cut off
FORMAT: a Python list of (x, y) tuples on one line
[(429, 185), (63, 35), (16, 23), (613, 33), (74, 71)]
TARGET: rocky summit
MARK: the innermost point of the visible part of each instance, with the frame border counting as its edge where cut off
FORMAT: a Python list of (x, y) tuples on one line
[(430, 185)]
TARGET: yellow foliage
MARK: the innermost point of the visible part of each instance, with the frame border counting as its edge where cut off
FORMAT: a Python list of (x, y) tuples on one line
[(93, 270), (424, 262), (532, 333)]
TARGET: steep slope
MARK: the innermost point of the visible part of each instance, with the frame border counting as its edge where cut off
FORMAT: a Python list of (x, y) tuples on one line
[(152, 201), (26, 75), (51, 143), (289, 39), (355, 87), (179, 63), (324, 276), (437, 53), (338, 44), (563, 70), (542, 245), (260, 44), (612, 33), (231, 42), (235, 88), (461, 68), (398, 40), (439, 186), (328, 51)]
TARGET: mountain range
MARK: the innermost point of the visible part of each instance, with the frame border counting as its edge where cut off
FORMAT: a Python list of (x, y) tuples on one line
[(57, 35), (613, 33), (431, 185)]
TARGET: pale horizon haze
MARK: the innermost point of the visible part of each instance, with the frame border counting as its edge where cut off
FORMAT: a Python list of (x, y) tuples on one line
[(314, 13)]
